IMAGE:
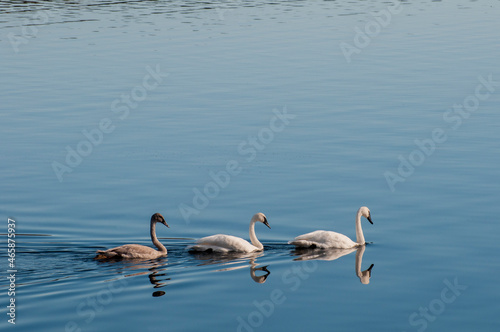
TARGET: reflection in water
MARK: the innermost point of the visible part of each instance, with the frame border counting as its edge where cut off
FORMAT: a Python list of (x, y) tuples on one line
[(155, 271), (158, 293), (156, 278), (258, 279), (306, 254), (364, 276), (333, 254), (210, 258)]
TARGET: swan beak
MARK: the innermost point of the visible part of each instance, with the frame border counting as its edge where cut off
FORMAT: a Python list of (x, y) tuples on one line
[(370, 219), (165, 223), (266, 223)]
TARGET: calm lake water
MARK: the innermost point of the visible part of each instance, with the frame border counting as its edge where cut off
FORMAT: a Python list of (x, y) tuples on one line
[(209, 112)]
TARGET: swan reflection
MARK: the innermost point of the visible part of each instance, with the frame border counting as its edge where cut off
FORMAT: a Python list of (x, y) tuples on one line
[(364, 276), (233, 261), (155, 270), (305, 254), (157, 277), (258, 279), (333, 254)]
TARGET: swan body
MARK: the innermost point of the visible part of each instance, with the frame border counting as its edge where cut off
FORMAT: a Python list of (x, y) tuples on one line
[(227, 243), (328, 239), (137, 251)]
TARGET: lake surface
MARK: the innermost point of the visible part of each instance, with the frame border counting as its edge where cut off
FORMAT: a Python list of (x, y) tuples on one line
[(209, 112)]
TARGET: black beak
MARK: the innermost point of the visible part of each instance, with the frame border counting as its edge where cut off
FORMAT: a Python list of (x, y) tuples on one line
[(370, 219), (266, 223), (165, 223)]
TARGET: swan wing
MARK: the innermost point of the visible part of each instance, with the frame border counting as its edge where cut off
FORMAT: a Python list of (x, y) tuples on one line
[(323, 239), (223, 243)]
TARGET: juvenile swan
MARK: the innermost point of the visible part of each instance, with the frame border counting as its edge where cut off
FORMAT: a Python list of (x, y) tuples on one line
[(327, 239), (131, 251), (226, 243)]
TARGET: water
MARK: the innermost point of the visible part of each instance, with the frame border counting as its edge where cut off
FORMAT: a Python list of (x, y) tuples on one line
[(114, 111)]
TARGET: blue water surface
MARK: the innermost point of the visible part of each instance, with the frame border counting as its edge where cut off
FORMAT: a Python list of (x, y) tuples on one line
[(209, 112)]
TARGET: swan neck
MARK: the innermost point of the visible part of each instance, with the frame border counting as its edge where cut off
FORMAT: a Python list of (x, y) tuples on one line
[(253, 237), (360, 238), (154, 239)]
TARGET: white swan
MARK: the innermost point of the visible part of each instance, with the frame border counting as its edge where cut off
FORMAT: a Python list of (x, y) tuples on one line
[(134, 251), (226, 243), (327, 239)]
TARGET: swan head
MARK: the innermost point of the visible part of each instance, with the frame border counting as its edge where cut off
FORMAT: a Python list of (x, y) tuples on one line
[(159, 218), (365, 212), (260, 217)]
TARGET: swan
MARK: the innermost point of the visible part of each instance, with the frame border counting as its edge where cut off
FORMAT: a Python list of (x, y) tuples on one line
[(327, 239), (134, 251), (226, 243)]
